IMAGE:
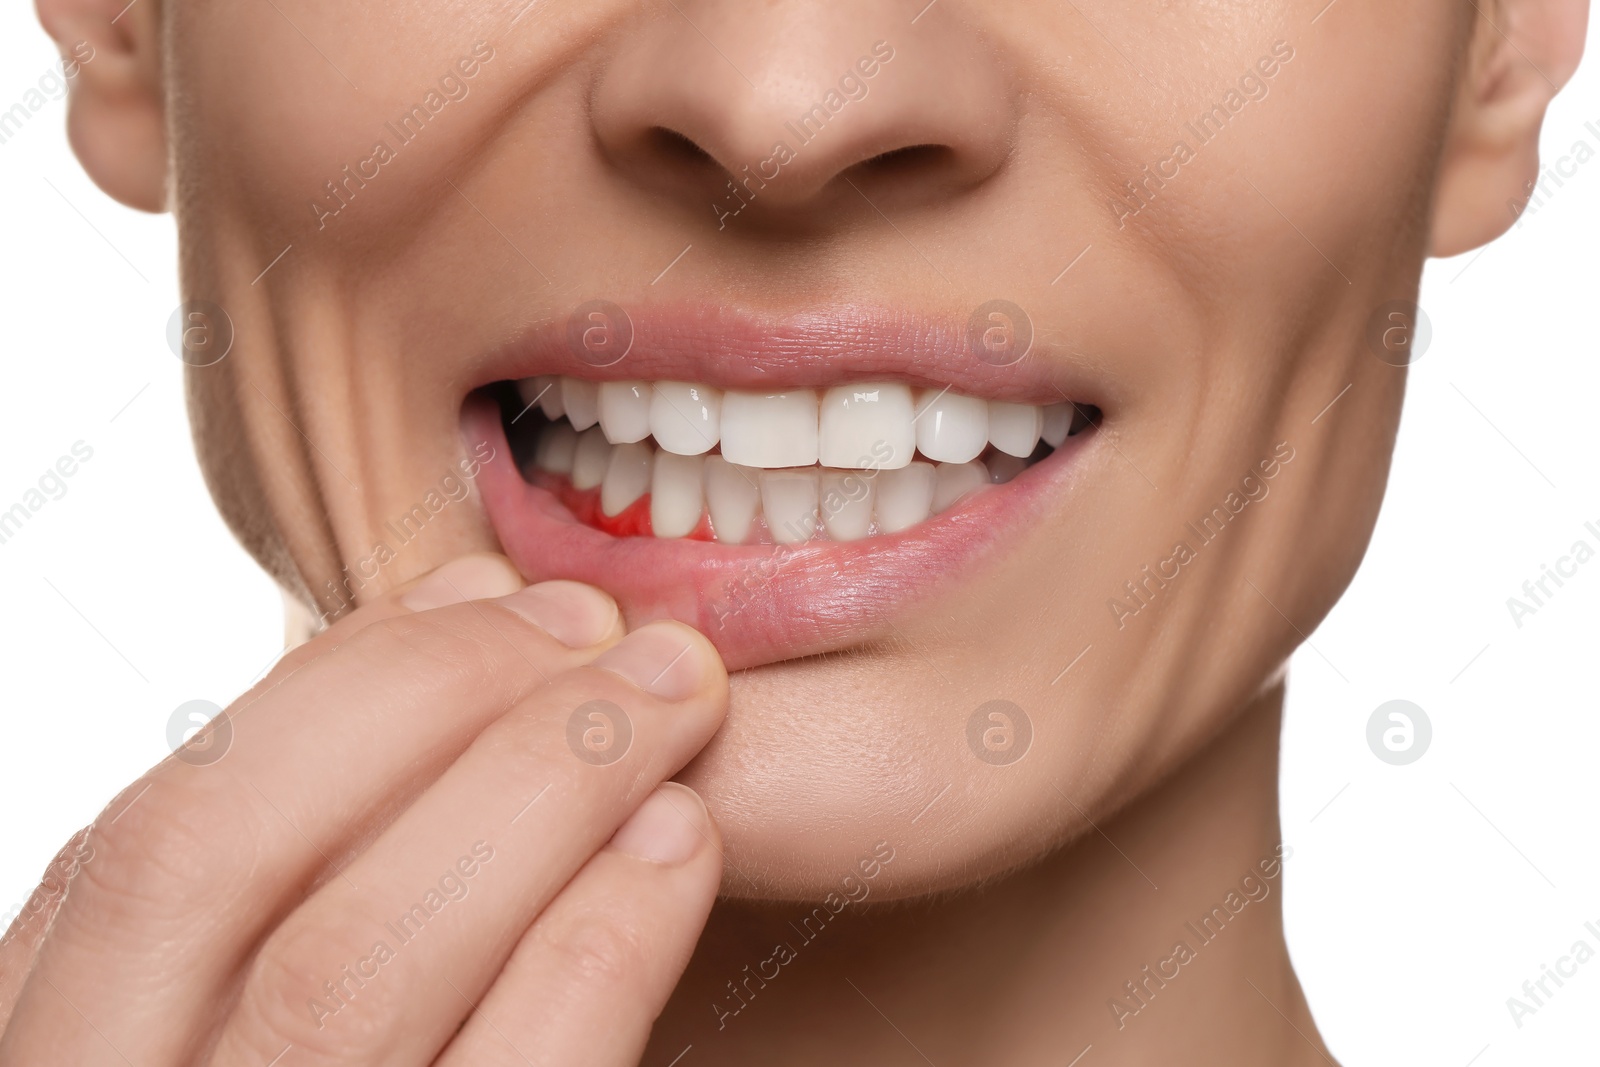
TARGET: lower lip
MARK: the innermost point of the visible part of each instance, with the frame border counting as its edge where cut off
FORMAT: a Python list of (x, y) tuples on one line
[(758, 603)]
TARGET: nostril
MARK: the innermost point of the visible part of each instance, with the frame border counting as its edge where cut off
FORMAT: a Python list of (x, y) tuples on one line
[(910, 173), (906, 159), (673, 147), (661, 158)]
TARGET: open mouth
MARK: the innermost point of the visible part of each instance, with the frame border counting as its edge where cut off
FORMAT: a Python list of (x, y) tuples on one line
[(681, 459), (785, 489)]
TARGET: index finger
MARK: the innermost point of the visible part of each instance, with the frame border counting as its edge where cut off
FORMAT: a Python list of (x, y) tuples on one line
[(475, 576)]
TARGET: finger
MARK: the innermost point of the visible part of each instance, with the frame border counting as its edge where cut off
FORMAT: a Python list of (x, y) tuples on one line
[(586, 982), (20, 942), (199, 860), (476, 576), (363, 972)]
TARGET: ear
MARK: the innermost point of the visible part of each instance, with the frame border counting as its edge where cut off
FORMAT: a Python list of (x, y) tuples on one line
[(111, 55), (1521, 52)]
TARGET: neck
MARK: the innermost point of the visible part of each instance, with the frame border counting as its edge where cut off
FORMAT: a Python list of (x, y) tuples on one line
[(1157, 939)]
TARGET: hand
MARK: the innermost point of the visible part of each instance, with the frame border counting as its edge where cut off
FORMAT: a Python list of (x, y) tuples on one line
[(419, 848)]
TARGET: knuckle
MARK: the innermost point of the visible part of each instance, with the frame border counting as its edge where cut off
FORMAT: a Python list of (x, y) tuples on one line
[(546, 735), (315, 985), (598, 950), (167, 851), (436, 644)]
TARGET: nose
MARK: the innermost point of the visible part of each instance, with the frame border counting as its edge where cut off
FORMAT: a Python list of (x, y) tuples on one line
[(782, 106)]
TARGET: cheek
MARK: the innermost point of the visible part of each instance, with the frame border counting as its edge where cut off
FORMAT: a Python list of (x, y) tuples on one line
[(297, 92), (289, 117)]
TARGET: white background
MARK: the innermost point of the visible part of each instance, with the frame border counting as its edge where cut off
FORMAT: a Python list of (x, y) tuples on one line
[(1419, 897)]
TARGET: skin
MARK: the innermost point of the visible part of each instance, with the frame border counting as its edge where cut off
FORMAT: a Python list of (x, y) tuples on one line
[(1225, 316)]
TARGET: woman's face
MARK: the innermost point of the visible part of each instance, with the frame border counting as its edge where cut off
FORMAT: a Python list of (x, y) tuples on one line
[(1183, 205)]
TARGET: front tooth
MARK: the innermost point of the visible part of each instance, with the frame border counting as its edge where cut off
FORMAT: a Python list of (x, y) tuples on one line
[(627, 477), (1014, 428), (953, 481), (677, 494), (1057, 421), (789, 501), (867, 426), (557, 449), (952, 428), (581, 398), (770, 429), (625, 411), (686, 418), (847, 504), (905, 497), (733, 496), (592, 458)]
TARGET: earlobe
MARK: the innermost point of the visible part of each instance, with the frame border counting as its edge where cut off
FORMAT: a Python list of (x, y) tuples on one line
[(111, 56), (1521, 53)]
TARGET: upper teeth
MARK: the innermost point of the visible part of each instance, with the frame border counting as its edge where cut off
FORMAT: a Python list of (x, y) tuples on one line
[(873, 425)]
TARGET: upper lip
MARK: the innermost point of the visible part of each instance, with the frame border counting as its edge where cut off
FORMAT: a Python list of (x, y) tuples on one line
[(736, 349)]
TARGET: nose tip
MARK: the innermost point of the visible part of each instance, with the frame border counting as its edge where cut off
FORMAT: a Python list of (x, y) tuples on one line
[(782, 107)]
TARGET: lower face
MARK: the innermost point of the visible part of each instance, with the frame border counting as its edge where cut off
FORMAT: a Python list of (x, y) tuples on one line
[(999, 475)]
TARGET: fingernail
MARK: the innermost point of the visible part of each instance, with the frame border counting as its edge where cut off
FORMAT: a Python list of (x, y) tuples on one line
[(476, 577), (669, 827), (575, 614), (662, 658)]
